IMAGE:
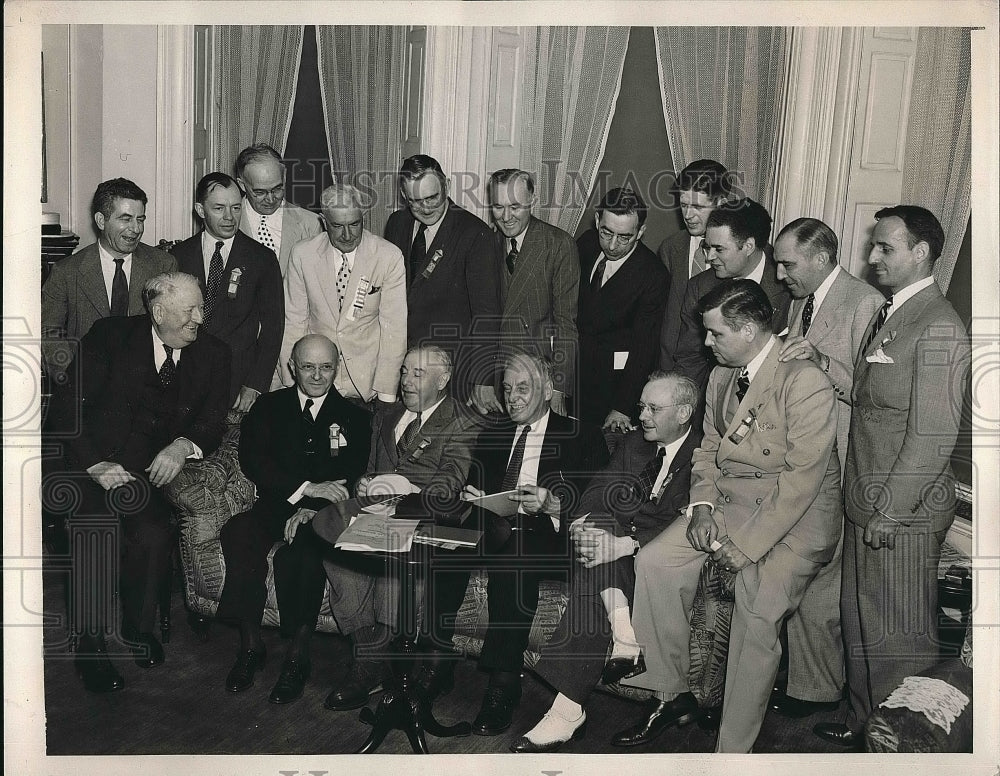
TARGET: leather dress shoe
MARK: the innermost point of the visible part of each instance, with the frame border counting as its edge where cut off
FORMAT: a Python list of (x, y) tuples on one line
[(94, 668), (291, 681), (525, 745), (363, 679), (682, 710), (793, 708), (618, 668), (497, 710), (146, 650), (840, 734), (248, 662)]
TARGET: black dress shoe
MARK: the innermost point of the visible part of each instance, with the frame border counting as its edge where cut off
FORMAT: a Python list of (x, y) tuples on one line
[(291, 681), (682, 710), (497, 711), (525, 745), (839, 733), (618, 668), (248, 662), (363, 679), (793, 708), (92, 665), (146, 650)]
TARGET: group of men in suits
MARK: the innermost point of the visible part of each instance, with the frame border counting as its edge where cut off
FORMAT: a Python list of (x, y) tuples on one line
[(787, 388)]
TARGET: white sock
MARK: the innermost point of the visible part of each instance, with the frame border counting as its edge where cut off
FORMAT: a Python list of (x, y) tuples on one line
[(625, 644), (567, 709), (559, 723)]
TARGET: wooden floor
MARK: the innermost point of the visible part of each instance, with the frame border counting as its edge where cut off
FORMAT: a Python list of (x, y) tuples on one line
[(182, 708)]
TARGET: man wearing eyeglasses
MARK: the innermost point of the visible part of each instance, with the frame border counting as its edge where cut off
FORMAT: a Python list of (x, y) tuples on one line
[(349, 285), (623, 288), (267, 216), (452, 259)]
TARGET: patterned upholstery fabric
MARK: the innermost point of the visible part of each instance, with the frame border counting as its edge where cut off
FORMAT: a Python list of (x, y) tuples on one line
[(709, 643)]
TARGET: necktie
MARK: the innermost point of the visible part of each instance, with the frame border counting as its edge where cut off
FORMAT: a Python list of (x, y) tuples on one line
[(698, 260), (408, 437), (214, 281), (167, 369), (264, 236), (807, 313), (342, 276), (598, 280), (516, 459), (880, 319), (742, 384), (512, 256), (307, 412), (418, 251), (119, 290), (647, 477)]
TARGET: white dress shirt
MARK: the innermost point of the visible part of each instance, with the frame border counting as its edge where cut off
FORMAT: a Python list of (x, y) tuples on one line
[(273, 223), (409, 415), (612, 266), (908, 292), (208, 248)]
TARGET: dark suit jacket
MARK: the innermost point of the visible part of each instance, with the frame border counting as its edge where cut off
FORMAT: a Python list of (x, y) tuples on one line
[(572, 453), (74, 296), (673, 252), (624, 316), (121, 415), (540, 299), (692, 358), (273, 447), (906, 414), (460, 296), (251, 320), (613, 492)]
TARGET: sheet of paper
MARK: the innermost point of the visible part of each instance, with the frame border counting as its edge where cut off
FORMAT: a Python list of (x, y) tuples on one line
[(498, 503), (377, 533), (621, 358)]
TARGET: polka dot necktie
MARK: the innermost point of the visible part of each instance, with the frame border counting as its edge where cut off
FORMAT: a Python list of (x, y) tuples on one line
[(214, 282), (807, 313), (343, 274), (167, 368), (264, 236)]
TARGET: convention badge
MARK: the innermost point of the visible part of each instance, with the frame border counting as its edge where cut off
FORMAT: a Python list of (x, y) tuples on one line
[(234, 281), (432, 264)]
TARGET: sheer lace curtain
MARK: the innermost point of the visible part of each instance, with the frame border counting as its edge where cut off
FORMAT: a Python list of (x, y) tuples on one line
[(723, 90), (937, 160), (258, 69), (572, 77), (361, 81)]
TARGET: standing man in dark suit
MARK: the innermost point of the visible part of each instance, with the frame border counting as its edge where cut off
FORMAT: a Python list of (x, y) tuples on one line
[(453, 262), (899, 492), (701, 187), (304, 447), (623, 288), (829, 314), (244, 302), (765, 503), (151, 393), (736, 243), (427, 440), (101, 280), (539, 282), (547, 459), (640, 493)]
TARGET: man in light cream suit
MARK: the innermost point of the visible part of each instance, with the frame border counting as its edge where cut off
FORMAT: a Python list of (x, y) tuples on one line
[(829, 313), (350, 286), (764, 503)]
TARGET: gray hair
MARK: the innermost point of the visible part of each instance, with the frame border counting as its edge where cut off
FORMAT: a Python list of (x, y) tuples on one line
[(165, 284), (341, 195), (685, 389)]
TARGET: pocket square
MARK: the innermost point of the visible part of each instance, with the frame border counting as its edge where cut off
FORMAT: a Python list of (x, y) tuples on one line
[(879, 357)]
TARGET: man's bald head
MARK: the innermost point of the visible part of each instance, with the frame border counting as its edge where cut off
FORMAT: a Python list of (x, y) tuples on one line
[(314, 364)]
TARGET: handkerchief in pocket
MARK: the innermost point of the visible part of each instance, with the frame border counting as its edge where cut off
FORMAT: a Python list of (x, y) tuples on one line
[(879, 357)]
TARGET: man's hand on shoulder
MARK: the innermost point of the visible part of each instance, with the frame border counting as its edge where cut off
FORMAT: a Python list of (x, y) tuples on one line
[(168, 462), (109, 475), (799, 348)]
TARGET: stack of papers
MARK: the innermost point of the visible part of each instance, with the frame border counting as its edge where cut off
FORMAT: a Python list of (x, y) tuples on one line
[(498, 503), (377, 533)]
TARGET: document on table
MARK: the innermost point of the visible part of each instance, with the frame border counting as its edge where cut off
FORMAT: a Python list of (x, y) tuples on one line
[(499, 503), (377, 533)]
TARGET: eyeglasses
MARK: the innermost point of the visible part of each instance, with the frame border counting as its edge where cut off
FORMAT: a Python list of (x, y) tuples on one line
[(654, 408), (277, 191), (613, 238)]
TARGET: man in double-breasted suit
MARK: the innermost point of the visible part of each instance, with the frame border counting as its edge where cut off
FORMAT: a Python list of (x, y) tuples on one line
[(241, 282), (427, 440), (899, 492), (149, 393), (829, 314), (643, 490), (453, 260), (623, 288), (349, 285), (102, 279), (539, 281), (764, 503), (736, 241), (701, 187)]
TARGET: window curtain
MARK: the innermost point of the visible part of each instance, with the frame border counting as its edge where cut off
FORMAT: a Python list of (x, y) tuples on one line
[(361, 82), (937, 160), (258, 69), (572, 77), (722, 90)]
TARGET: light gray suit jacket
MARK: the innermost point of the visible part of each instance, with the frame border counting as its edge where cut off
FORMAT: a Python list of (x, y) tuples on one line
[(297, 224), (837, 331)]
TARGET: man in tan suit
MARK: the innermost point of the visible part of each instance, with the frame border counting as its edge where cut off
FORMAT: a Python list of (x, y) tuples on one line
[(350, 286), (829, 314), (764, 503)]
